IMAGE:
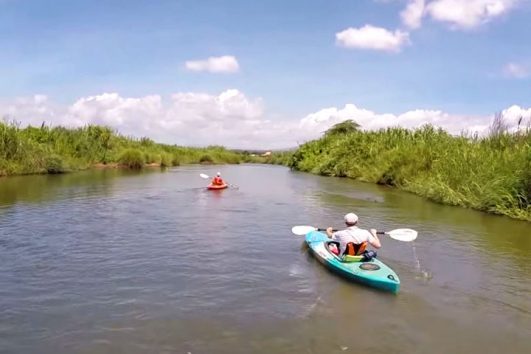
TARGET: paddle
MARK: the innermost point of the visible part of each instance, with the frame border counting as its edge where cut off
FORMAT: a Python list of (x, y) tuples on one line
[(405, 235), (202, 175)]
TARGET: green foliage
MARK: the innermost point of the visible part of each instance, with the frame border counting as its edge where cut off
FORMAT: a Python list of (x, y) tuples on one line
[(166, 160), (54, 164), (152, 157), (492, 174), (345, 127), (132, 158), (175, 161), (206, 159), (55, 150)]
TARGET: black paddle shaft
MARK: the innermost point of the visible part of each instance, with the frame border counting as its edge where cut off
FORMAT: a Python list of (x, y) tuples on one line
[(334, 230)]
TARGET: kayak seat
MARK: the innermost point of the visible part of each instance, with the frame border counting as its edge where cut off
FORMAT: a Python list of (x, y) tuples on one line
[(364, 257)]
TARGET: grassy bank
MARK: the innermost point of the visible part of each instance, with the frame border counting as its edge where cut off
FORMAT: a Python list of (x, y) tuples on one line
[(491, 174), (56, 150)]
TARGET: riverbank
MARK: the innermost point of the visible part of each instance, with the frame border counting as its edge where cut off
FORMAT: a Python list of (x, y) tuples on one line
[(491, 174), (42, 150)]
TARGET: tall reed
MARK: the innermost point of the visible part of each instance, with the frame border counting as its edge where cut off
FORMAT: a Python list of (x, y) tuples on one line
[(492, 173), (55, 150)]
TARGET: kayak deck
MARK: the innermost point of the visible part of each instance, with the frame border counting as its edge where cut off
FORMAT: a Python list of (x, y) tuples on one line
[(373, 273)]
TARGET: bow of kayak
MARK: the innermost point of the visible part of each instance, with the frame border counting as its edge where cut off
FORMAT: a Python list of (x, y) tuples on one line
[(373, 273)]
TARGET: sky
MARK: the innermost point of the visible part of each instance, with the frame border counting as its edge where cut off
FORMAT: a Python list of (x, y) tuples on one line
[(264, 74)]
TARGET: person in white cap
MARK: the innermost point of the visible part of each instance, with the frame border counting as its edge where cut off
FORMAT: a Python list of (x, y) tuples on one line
[(353, 240), (217, 181)]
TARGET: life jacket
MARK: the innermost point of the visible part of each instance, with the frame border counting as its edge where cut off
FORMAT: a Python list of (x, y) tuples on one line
[(353, 249), (217, 181)]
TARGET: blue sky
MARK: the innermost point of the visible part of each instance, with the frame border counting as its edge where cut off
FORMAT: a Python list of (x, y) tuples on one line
[(286, 52)]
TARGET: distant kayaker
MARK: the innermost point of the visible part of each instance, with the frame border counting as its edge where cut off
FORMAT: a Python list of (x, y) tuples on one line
[(218, 181), (353, 240)]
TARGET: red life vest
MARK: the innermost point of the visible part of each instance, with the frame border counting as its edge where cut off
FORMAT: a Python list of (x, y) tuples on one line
[(217, 181)]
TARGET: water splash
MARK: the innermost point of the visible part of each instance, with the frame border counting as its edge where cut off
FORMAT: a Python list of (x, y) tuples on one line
[(421, 274)]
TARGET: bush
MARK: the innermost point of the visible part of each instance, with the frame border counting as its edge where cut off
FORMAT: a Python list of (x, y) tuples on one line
[(175, 161), (54, 165), (166, 160), (151, 157), (206, 159), (132, 158)]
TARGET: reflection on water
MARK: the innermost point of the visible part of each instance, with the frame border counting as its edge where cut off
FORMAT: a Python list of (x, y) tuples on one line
[(118, 261)]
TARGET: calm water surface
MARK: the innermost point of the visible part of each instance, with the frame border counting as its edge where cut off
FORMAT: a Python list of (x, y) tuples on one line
[(120, 262)]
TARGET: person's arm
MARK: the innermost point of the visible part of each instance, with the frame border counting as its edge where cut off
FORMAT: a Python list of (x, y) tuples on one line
[(374, 240), (329, 231)]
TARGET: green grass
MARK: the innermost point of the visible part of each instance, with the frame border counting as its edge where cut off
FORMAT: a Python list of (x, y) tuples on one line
[(491, 174), (132, 158), (56, 150)]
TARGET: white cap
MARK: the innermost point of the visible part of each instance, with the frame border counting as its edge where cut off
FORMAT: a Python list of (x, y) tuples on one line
[(219, 173), (351, 218)]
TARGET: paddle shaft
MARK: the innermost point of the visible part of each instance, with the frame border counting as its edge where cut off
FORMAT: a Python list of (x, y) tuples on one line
[(335, 230), (405, 235)]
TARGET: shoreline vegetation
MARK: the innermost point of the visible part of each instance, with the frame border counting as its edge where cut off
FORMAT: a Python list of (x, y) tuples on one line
[(491, 173), (56, 150)]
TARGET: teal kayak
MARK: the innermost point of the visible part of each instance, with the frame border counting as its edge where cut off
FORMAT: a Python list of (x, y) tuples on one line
[(372, 273)]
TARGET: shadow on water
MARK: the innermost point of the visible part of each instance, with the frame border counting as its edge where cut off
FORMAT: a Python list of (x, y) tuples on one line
[(41, 188)]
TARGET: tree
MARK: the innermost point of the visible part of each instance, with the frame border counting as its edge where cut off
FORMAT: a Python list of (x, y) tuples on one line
[(345, 127)]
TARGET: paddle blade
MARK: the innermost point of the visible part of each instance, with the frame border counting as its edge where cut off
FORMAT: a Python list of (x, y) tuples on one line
[(302, 230), (406, 235), (202, 175)]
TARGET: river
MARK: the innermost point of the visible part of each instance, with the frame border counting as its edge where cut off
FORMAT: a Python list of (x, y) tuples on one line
[(114, 261)]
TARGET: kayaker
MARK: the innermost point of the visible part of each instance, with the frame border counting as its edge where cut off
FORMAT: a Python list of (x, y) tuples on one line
[(353, 240), (218, 181)]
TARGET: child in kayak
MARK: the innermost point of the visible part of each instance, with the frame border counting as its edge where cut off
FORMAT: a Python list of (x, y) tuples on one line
[(353, 240), (217, 181)]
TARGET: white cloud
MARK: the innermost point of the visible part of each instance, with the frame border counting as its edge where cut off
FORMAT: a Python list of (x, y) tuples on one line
[(223, 64), (187, 118), (369, 120), (374, 38), (517, 117), (466, 14), (229, 118), (316, 123), (413, 13), (31, 110), (517, 71), (128, 115)]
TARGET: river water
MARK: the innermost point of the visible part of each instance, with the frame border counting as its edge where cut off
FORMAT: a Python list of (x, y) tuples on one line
[(112, 261)]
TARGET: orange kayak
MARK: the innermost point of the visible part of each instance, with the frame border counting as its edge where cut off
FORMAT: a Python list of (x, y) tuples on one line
[(215, 187)]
